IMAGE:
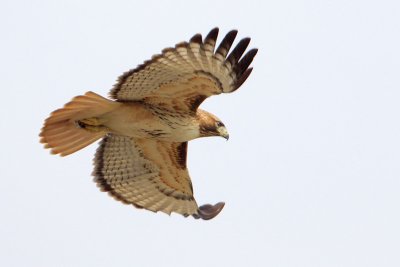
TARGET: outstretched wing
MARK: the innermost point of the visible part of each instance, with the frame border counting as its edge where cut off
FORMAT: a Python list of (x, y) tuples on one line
[(148, 174), (188, 73)]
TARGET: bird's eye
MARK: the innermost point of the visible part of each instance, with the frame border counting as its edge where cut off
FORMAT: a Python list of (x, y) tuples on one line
[(219, 124)]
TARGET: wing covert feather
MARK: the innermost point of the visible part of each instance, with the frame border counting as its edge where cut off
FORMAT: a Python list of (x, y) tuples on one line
[(146, 173), (177, 72)]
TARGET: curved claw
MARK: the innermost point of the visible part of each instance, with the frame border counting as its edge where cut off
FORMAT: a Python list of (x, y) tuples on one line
[(208, 211)]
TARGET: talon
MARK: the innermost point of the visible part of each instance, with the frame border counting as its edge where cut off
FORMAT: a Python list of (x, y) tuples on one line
[(208, 211)]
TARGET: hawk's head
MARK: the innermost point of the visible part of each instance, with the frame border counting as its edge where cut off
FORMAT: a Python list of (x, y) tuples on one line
[(210, 125)]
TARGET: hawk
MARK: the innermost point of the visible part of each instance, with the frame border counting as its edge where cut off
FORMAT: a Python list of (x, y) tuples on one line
[(145, 128)]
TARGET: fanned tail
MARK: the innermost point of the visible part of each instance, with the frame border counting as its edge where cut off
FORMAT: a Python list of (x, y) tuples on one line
[(67, 131)]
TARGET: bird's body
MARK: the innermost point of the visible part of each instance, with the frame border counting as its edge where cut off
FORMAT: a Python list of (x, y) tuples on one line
[(145, 129), (148, 121), (139, 120)]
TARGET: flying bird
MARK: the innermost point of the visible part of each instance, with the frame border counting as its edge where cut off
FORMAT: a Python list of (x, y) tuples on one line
[(145, 127)]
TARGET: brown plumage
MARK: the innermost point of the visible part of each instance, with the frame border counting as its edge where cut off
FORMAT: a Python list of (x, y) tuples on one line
[(141, 159)]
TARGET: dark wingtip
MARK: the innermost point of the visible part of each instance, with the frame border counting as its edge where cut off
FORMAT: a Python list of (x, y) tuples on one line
[(208, 211), (245, 62), (243, 78), (232, 33), (213, 34), (226, 43), (230, 37), (238, 51), (197, 39)]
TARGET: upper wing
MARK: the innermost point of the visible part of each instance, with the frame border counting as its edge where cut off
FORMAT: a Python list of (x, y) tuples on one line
[(148, 174), (189, 73)]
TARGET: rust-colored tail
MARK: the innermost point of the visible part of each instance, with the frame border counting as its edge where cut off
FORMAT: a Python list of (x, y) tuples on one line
[(64, 132)]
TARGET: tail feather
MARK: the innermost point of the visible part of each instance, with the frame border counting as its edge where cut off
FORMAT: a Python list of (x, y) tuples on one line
[(61, 132), (78, 144)]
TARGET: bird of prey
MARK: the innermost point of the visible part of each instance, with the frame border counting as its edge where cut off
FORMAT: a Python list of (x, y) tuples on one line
[(145, 128)]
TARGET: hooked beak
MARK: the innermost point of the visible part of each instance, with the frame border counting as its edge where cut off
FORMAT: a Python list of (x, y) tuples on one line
[(223, 132)]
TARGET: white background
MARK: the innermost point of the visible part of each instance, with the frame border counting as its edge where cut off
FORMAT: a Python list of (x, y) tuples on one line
[(310, 175)]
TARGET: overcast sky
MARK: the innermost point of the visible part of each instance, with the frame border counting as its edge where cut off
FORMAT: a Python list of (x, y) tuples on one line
[(310, 175)]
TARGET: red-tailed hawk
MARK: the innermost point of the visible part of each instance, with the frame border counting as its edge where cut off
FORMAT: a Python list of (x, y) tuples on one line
[(145, 129)]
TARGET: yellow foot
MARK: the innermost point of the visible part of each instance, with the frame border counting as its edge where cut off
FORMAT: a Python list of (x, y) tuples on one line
[(91, 125)]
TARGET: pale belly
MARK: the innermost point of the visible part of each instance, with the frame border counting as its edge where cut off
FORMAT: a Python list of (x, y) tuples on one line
[(137, 120)]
